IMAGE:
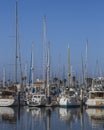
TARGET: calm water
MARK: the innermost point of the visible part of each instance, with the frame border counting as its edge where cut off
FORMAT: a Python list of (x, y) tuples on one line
[(51, 119)]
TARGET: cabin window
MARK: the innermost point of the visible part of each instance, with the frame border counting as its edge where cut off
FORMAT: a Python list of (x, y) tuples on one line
[(92, 95), (99, 95)]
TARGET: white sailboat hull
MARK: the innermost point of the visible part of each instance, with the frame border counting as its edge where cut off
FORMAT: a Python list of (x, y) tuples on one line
[(68, 102), (6, 102)]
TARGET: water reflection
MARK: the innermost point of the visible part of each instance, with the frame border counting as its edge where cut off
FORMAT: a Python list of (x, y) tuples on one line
[(69, 114), (96, 117), (53, 118), (48, 118), (41, 117), (7, 115)]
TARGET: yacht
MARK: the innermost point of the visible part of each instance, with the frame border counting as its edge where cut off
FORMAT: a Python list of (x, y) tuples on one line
[(95, 99), (96, 94)]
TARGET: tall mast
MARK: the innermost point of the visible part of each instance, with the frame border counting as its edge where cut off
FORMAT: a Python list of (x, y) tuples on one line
[(16, 55), (68, 67), (86, 62), (21, 76), (59, 66), (63, 75), (32, 68), (44, 49), (3, 77), (26, 73), (48, 70), (83, 77)]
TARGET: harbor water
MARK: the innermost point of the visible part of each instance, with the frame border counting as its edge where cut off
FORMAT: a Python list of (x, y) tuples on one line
[(49, 118)]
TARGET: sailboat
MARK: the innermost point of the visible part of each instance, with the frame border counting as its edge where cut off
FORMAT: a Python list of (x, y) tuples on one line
[(6, 95), (6, 98), (70, 98), (36, 99), (51, 100)]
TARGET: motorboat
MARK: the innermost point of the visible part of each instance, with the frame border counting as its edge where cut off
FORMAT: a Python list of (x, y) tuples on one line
[(95, 99)]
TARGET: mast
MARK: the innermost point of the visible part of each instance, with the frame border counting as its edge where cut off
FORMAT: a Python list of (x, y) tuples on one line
[(59, 78), (26, 73), (48, 70), (71, 76), (32, 67), (82, 70), (69, 68), (3, 77), (16, 55), (44, 49), (59, 66), (21, 75), (86, 63)]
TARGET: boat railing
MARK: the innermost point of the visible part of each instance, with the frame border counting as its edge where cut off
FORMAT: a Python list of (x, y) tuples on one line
[(99, 97)]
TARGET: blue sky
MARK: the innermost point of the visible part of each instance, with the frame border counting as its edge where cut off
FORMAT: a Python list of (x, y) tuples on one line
[(68, 22)]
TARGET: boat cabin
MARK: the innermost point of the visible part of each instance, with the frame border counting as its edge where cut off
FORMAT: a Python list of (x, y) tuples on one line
[(7, 94), (96, 94)]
